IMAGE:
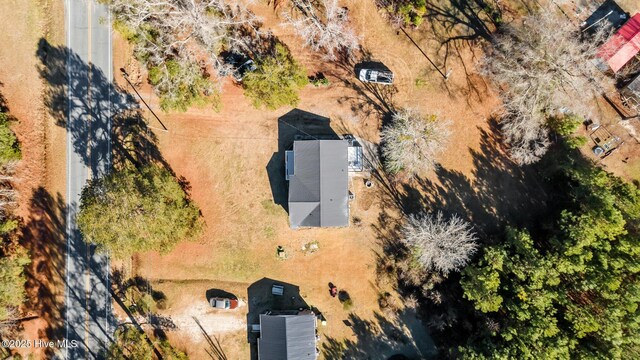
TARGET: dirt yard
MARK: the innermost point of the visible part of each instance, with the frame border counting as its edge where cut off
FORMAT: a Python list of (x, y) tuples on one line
[(41, 172), (231, 159), (228, 158)]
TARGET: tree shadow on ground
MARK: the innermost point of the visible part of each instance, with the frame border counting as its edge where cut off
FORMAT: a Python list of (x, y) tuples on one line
[(120, 286), (369, 98), (94, 109), (3, 101), (43, 235), (386, 335), (295, 125), (214, 349), (110, 110), (455, 28), (219, 293), (496, 194), (463, 20)]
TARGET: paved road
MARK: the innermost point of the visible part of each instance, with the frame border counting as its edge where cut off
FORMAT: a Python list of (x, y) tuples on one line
[(89, 319)]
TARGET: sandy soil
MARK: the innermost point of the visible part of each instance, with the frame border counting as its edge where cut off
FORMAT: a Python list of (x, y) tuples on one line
[(632, 6), (41, 171)]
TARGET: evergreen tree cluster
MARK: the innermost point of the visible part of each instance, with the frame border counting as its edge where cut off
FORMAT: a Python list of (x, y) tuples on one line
[(572, 290)]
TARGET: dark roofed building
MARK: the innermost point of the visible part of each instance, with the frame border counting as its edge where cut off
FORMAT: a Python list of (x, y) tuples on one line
[(287, 337), (317, 171), (609, 15)]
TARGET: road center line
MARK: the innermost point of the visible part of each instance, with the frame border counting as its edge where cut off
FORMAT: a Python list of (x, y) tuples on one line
[(87, 276)]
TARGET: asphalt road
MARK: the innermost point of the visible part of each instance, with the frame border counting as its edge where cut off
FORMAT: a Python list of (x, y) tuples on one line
[(89, 319)]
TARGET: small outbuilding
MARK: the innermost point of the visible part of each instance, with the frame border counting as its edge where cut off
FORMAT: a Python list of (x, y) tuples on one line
[(622, 47), (287, 337), (609, 15), (317, 171)]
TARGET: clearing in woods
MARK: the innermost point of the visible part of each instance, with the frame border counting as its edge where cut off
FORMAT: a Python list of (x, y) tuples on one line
[(228, 158)]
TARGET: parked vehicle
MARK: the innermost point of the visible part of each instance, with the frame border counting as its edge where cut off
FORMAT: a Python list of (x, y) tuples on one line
[(238, 65), (376, 76), (242, 70), (223, 303)]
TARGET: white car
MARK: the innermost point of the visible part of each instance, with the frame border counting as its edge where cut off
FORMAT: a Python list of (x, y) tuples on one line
[(376, 76), (223, 303)]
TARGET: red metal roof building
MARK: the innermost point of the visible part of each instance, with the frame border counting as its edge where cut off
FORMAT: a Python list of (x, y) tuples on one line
[(623, 45)]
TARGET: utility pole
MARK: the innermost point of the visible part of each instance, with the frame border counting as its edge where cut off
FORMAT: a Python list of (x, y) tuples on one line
[(126, 77), (444, 76)]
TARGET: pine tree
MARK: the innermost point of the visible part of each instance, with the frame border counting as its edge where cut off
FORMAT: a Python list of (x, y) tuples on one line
[(277, 80)]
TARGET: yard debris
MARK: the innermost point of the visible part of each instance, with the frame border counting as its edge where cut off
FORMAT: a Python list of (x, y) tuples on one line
[(333, 290), (310, 247), (280, 253)]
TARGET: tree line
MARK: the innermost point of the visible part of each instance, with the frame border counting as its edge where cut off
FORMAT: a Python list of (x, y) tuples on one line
[(182, 45), (571, 288), (13, 256)]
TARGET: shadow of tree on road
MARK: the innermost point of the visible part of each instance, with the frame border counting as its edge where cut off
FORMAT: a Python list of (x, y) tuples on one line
[(132, 141), (107, 125)]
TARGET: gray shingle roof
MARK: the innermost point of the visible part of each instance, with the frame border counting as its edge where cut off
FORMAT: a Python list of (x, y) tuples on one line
[(318, 188), (287, 337)]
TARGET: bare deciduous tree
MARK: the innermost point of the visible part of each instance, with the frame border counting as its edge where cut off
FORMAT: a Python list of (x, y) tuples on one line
[(543, 68), (182, 39), (411, 142), (323, 25), (440, 244)]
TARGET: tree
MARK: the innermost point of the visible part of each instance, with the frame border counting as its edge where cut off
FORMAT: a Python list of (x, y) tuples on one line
[(9, 145), (543, 69), (323, 25), (131, 343), (13, 259), (134, 210), (573, 291), (409, 12), (411, 142), (13, 256), (179, 42), (565, 127), (277, 80), (181, 84), (439, 244)]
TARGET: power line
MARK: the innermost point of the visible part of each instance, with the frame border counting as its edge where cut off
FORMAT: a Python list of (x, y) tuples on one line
[(126, 77)]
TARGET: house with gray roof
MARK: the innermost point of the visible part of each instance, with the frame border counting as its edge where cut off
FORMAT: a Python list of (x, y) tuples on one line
[(287, 337), (317, 171)]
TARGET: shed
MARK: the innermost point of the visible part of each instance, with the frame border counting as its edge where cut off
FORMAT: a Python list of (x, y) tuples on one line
[(317, 171), (623, 46), (287, 337), (634, 86)]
